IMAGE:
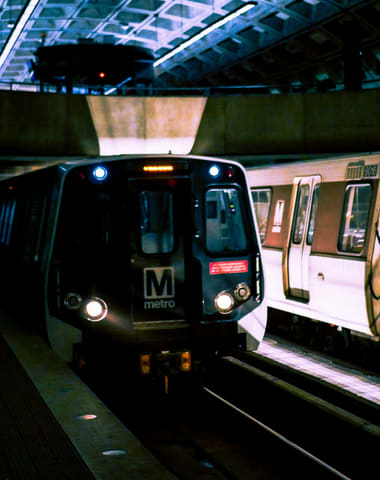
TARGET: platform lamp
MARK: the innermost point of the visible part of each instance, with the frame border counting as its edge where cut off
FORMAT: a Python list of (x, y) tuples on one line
[(204, 32)]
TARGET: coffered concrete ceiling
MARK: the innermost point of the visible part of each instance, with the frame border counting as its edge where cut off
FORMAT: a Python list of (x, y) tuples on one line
[(287, 42)]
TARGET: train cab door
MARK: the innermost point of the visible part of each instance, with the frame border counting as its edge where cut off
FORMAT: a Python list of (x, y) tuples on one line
[(161, 209), (301, 235)]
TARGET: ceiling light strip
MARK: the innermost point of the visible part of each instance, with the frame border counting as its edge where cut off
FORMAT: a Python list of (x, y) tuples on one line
[(24, 17), (204, 32)]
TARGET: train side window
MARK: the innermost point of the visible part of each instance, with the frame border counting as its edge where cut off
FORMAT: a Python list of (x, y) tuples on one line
[(2, 218), (300, 214), (6, 220), (314, 206), (156, 222), (261, 201), (353, 226), (225, 231), (35, 209)]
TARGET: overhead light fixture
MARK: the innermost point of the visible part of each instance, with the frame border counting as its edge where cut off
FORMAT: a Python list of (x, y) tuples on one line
[(24, 17), (204, 32)]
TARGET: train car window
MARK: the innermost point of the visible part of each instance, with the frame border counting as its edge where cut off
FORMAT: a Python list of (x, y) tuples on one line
[(225, 231), (353, 227), (2, 218), (34, 213), (261, 201), (300, 214), (6, 221), (278, 216), (314, 206), (156, 214)]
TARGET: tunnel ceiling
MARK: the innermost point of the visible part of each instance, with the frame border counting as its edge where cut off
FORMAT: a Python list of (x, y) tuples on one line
[(283, 42)]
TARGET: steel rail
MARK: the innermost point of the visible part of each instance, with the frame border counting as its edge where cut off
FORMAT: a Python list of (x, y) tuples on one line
[(280, 437)]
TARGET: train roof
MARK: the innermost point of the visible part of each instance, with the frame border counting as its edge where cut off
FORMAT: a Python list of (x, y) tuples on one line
[(331, 169), (14, 166)]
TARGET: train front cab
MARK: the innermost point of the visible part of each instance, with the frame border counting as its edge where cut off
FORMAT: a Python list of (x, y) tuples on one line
[(320, 232), (169, 247)]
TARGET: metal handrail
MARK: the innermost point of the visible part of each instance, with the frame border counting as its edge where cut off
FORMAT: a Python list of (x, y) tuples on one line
[(142, 90)]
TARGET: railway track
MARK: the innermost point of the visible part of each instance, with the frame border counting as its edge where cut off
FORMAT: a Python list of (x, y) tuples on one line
[(245, 422), (332, 428), (202, 435)]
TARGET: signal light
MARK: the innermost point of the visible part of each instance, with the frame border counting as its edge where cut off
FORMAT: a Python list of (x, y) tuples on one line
[(72, 301), (102, 74), (158, 168), (185, 361), (100, 173), (242, 292), (214, 171), (145, 363)]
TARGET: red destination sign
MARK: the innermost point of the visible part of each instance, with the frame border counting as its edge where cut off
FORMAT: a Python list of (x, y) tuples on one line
[(235, 266)]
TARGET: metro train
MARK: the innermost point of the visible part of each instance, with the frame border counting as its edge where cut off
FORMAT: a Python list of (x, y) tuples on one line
[(153, 259), (319, 226)]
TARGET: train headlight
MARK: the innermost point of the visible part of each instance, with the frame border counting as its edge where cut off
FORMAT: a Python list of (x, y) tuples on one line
[(95, 310), (214, 171), (100, 173), (224, 302), (242, 292)]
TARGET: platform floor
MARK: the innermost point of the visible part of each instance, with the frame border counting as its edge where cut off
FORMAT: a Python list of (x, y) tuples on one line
[(354, 380), (52, 426)]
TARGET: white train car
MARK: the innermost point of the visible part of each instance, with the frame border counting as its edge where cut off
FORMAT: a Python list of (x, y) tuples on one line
[(320, 232)]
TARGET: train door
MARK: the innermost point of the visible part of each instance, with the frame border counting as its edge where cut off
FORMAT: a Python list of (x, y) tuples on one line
[(161, 210), (301, 235)]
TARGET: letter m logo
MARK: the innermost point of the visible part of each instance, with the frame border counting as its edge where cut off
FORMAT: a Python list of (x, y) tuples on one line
[(159, 282)]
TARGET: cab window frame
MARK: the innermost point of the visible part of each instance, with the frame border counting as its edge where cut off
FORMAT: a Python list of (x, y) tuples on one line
[(245, 222), (172, 231)]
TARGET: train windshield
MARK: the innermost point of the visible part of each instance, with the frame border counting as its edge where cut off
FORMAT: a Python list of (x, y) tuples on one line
[(225, 232), (156, 214)]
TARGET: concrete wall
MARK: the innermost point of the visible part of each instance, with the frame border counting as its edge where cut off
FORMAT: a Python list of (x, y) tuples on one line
[(299, 123), (43, 124), (48, 124)]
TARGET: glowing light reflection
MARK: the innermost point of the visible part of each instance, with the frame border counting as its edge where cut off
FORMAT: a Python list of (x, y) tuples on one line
[(204, 32)]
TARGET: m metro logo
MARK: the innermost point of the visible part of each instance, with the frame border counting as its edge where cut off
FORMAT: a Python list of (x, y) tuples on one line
[(159, 282), (159, 287)]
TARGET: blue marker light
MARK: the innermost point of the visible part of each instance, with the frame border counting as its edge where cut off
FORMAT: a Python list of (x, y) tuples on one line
[(214, 171), (100, 173)]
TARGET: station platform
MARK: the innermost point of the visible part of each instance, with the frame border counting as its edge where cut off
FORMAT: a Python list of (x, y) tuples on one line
[(345, 377), (52, 426)]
